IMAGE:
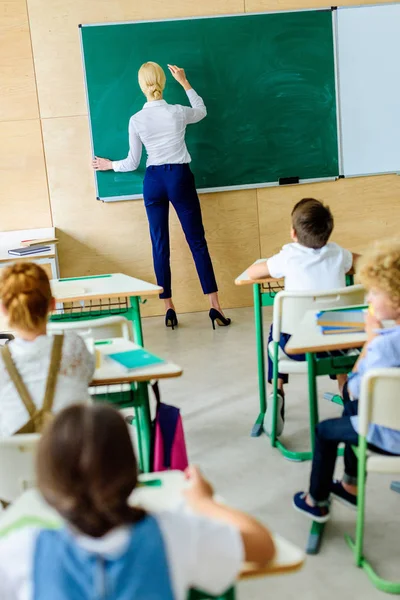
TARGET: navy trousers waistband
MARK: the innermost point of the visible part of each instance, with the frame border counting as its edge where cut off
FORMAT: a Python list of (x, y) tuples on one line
[(169, 167)]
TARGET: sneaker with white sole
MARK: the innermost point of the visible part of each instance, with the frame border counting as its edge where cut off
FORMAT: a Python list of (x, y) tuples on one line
[(280, 419), (320, 514)]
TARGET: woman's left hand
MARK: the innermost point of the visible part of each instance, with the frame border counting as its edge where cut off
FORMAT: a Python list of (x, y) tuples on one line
[(102, 164)]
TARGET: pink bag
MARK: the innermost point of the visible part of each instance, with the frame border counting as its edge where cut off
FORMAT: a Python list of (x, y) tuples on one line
[(169, 447)]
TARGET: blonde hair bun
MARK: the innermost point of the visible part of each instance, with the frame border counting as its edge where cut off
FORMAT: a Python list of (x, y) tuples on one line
[(25, 293), (152, 80)]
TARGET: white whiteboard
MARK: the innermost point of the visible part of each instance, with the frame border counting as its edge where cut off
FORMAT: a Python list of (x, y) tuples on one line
[(368, 54)]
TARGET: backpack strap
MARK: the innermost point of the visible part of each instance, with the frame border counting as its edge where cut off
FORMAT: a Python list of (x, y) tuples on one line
[(17, 381), (55, 361)]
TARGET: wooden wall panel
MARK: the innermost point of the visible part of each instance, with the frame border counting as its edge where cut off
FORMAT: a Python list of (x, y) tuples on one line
[(98, 237), (24, 201), (17, 81), (55, 38), (364, 209)]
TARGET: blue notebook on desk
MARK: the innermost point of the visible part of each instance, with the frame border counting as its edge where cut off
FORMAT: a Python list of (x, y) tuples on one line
[(135, 359)]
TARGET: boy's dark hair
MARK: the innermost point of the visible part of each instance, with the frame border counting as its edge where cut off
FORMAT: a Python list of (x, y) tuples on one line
[(86, 468), (312, 222)]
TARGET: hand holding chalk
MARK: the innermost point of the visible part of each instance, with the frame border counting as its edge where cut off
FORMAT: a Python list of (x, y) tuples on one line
[(180, 76)]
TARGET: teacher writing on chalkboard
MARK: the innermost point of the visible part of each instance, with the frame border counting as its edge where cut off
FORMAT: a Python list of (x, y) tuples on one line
[(160, 128)]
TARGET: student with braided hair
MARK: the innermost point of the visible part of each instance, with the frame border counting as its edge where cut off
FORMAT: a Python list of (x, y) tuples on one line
[(37, 371)]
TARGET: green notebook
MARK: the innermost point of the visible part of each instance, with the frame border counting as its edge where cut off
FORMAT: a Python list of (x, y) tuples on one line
[(135, 359)]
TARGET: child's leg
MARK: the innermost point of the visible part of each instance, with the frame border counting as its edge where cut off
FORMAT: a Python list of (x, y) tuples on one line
[(329, 434), (282, 378), (341, 379)]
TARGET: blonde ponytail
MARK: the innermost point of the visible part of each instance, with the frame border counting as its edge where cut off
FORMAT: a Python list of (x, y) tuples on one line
[(26, 295), (152, 80)]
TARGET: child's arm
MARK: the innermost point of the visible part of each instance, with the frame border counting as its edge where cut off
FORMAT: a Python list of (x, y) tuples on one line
[(257, 541), (258, 271), (371, 325), (354, 262)]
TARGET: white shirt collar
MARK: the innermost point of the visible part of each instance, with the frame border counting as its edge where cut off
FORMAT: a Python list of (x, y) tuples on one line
[(154, 103), (111, 544)]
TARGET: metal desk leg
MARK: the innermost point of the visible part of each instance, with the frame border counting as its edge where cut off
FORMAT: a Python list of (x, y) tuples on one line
[(136, 320), (395, 486), (315, 538), (258, 317), (312, 397), (143, 420)]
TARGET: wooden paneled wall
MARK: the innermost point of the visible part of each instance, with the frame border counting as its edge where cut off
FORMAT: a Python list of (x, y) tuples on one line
[(46, 178)]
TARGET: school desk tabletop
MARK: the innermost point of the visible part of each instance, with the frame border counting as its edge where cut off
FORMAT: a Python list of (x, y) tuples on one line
[(12, 239), (156, 492), (110, 372), (129, 388), (264, 292), (308, 339), (101, 295)]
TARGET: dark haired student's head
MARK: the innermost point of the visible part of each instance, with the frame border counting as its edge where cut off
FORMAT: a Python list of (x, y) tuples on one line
[(87, 468), (312, 223)]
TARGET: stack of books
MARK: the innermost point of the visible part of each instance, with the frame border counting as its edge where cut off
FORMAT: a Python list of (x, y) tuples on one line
[(342, 320)]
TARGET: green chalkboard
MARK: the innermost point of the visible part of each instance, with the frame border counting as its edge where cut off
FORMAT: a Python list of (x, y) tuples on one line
[(268, 81)]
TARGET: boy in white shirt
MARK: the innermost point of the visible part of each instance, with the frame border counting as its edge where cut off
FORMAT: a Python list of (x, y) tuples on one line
[(310, 263)]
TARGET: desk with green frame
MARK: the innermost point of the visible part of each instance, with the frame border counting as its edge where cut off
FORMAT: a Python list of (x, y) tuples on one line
[(308, 339), (264, 291)]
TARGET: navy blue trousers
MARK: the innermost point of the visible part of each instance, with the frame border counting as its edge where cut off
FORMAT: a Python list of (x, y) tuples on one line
[(328, 435), (175, 183)]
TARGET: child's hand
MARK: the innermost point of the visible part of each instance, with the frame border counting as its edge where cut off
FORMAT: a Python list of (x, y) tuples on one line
[(371, 325), (200, 488)]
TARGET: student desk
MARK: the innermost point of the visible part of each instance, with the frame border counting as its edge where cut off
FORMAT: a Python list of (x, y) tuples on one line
[(309, 339), (12, 239), (136, 381), (264, 291), (102, 295), (157, 491)]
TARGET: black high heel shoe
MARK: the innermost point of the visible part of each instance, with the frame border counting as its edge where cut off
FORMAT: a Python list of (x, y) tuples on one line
[(215, 315), (171, 320)]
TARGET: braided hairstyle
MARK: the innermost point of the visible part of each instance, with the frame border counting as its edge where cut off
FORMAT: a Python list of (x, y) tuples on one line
[(26, 295)]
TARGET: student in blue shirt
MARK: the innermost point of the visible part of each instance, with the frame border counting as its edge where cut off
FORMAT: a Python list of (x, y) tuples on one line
[(109, 550), (379, 271)]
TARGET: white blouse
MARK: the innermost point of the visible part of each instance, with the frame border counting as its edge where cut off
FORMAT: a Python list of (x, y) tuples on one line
[(32, 359), (161, 128)]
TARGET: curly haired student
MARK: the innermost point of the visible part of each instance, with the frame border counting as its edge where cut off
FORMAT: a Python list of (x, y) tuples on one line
[(379, 271)]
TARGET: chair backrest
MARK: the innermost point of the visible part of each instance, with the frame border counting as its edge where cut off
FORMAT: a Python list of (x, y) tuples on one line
[(289, 307), (98, 329), (380, 399), (17, 465)]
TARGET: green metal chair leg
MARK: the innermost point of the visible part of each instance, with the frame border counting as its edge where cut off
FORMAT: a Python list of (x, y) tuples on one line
[(390, 587), (258, 317), (274, 407), (275, 442)]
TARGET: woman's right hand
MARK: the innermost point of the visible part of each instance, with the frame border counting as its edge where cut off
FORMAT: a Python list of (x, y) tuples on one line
[(102, 164), (180, 76)]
